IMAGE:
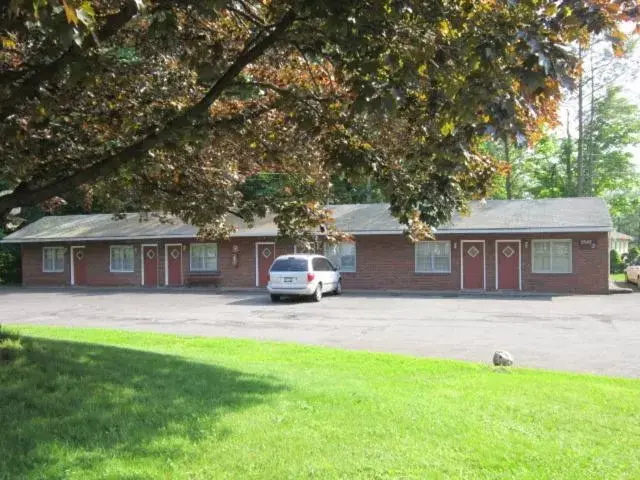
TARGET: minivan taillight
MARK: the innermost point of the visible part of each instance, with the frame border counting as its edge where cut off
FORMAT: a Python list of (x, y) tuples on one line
[(310, 277)]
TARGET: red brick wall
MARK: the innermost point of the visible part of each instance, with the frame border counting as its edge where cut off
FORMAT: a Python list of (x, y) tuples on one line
[(97, 256), (244, 273), (32, 274), (590, 272), (383, 262), (387, 262)]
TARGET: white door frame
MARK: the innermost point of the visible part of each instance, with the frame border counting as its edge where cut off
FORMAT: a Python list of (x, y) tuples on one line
[(73, 263), (484, 262), (258, 259), (496, 254), (166, 263), (142, 260)]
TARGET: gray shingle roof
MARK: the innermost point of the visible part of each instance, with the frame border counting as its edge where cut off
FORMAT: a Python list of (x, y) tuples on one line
[(494, 216)]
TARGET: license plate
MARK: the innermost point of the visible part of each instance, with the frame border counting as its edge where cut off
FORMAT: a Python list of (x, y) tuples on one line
[(288, 280)]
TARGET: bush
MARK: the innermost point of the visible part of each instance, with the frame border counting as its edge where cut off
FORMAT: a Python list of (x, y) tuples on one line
[(10, 268), (617, 266), (633, 255)]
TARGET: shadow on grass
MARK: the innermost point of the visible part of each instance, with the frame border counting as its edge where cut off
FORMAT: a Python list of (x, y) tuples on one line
[(99, 402)]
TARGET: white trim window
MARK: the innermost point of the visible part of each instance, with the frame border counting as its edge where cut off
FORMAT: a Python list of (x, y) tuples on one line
[(342, 255), (53, 259), (203, 257), (551, 256), (121, 259), (433, 257)]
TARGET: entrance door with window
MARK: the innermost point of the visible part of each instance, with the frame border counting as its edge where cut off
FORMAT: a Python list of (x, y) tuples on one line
[(174, 265), (265, 256), (472, 265), (508, 271), (79, 265), (150, 265)]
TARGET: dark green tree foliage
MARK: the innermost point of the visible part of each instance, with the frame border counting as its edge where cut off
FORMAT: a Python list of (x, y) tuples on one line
[(175, 106)]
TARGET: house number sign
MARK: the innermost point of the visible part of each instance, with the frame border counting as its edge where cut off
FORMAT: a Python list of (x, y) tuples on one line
[(587, 244)]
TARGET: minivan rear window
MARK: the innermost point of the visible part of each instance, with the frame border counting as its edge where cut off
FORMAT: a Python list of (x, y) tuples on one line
[(289, 265)]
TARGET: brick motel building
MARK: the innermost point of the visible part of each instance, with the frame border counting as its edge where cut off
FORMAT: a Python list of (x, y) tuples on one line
[(547, 246)]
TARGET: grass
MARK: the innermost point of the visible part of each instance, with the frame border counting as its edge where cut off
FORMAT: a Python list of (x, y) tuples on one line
[(81, 403), (617, 277)]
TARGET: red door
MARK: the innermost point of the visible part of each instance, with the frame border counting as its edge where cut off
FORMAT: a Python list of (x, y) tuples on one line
[(174, 265), (266, 253), (472, 265), (508, 265), (79, 266), (150, 261)]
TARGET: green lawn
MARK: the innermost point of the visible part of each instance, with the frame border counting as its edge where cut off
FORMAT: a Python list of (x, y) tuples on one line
[(617, 277), (81, 403)]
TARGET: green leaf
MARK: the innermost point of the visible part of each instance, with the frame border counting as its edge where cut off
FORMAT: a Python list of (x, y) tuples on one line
[(86, 14), (447, 128)]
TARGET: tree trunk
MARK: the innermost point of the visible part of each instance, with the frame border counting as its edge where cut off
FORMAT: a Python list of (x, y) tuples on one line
[(507, 158), (568, 152), (580, 159), (589, 159)]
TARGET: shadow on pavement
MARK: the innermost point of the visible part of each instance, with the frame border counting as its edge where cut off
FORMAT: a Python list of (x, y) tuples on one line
[(631, 286)]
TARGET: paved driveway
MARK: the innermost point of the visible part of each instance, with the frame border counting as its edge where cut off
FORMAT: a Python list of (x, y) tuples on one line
[(598, 334)]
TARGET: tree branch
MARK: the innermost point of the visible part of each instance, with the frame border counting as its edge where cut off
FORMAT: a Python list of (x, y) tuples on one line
[(193, 115), (31, 85), (309, 69)]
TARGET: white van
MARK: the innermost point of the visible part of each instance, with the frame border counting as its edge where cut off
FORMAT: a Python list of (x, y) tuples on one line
[(306, 275)]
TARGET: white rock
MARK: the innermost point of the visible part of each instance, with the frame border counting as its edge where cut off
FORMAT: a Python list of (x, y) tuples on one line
[(502, 358)]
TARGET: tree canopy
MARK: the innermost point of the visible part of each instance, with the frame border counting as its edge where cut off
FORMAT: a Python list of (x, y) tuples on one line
[(179, 105)]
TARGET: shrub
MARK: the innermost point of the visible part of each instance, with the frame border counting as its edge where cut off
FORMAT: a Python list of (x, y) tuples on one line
[(10, 268), (632, 256), (617, 266)]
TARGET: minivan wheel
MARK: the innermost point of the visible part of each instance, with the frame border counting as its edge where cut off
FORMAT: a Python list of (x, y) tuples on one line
[(338, 289), (317, 295), (275, 298)]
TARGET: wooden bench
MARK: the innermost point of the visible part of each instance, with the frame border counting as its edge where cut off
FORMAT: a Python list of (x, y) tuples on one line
[(204, 279)]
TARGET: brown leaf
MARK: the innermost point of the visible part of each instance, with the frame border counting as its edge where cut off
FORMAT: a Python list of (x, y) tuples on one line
[(70, 12)]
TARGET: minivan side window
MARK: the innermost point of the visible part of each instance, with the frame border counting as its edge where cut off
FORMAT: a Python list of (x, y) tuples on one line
[(328, 266), (317, 265)]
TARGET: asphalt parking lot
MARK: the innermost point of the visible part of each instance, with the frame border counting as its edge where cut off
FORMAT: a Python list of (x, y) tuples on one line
[(595, 334)]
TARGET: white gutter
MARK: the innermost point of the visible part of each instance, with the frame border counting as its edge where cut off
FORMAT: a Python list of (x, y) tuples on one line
[(488, 231)]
